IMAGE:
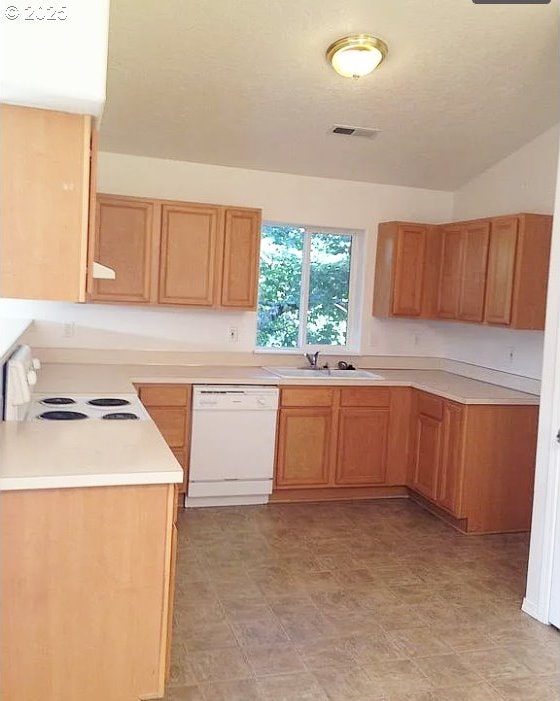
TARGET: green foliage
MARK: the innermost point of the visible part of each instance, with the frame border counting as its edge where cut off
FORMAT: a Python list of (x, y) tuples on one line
[(280, 287)]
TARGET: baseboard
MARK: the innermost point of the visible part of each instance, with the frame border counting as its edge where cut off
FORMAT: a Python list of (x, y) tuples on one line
[(531, 609), (337, 494)]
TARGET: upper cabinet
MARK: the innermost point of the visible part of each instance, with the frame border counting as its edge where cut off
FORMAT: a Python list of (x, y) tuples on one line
[(176, 253), (472, 280), (492, 271), (406, 270), (191, 238), (44, 211), (518, 264), (125, 241), (241, 258)]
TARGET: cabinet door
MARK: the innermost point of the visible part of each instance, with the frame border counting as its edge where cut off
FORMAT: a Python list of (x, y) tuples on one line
[(409, 270), (473, 272), (362, 446), (172, 424), (242, 235), (190, 249), (450, 477), (44, 180), (450, 273), (125, 240), (501, 270), (427, 456), (303, 447)]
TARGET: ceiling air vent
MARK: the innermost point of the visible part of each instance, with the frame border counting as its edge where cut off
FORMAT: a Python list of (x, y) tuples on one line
[(364, 132)]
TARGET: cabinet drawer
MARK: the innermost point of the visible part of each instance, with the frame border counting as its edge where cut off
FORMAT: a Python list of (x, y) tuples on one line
[(429, 405), (164, 395), (365, 396), (306, 396), (182, 458), (172, 423)]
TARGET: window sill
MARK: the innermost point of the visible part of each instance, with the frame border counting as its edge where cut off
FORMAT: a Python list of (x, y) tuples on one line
[(299, 351)]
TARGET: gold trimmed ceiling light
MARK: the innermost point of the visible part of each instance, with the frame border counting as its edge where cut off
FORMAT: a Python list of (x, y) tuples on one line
[(356, 55)]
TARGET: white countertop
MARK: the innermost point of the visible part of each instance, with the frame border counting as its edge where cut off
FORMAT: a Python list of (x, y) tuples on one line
[(49, 455), (84, 378), (40, 455)]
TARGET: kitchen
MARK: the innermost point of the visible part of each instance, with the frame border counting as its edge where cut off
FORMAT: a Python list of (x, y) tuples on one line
[(119, 346)]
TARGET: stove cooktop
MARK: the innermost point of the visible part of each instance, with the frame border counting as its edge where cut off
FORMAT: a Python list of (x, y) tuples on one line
[(79, 407)]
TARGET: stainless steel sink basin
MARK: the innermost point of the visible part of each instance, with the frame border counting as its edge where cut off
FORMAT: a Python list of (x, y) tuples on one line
[(322, 374)]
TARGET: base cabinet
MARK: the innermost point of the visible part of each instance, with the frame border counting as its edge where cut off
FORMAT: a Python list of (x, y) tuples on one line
[(170, 408), (85, 576), (361, 458), (330, 437), (427, 455), (304, 439), (475, 462)]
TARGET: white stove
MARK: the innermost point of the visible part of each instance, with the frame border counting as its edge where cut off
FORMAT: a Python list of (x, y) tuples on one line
[(21, 404)]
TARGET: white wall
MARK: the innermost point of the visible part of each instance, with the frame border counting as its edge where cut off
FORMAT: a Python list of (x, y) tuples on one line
[(289, 198), (524, 181)]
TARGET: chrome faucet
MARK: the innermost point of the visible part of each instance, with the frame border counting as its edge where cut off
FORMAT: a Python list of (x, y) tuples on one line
[(313, 360)]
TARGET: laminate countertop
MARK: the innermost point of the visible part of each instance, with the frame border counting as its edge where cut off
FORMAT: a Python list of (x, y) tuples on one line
[(78, 378), (42, 455)]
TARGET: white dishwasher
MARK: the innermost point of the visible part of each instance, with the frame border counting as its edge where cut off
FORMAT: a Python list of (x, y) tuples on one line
[(232, 445)]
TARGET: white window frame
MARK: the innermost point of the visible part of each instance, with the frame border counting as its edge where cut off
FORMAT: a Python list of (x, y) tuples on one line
[(354, 297)]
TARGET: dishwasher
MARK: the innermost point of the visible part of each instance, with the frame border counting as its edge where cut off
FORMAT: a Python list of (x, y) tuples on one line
[(232, 445)]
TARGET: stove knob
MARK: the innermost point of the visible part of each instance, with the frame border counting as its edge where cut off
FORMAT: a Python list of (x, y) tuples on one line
[(36, 363), (31, 377)]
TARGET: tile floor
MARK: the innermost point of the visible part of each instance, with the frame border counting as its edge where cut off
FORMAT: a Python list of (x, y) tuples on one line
[(363, 601)]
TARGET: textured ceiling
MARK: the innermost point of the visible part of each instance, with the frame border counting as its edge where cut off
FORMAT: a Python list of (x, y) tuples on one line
[(245, 83)]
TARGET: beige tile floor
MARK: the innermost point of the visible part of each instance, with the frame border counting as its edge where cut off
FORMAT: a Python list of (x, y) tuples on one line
[(364, 601)]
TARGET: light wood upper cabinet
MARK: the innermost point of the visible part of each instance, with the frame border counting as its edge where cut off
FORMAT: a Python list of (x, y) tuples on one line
[(518, 264), (501, 270), (176, 253), (126, 240), (450, 272), (492, 271), (190, 243), (44, 203), (399, 269), (472, 284), (362, 446), (242, 236), (409, 270)]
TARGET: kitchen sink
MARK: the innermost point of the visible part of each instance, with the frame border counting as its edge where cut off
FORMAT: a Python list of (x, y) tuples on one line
[(323, 374)]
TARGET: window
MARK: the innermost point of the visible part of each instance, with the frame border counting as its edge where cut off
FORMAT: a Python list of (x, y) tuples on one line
[(304, 287)]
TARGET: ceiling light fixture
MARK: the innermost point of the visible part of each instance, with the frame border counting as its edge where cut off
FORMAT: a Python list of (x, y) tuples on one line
[(356, 55)]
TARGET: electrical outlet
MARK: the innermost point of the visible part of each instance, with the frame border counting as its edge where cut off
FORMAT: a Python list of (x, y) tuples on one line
[(417, 339), (69, 329), (233, 334), (511, 354)]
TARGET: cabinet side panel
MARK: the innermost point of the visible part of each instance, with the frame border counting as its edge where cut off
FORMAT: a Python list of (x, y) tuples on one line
[(531, 275), (44, 177), (500, 449), (384, 269), (400, 442), (85, 572)]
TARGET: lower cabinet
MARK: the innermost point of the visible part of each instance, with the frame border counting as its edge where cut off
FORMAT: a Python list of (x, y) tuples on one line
[(475, 462), (304, 441), (88, 574), (331, 437), (427, 455), (170, 408)]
